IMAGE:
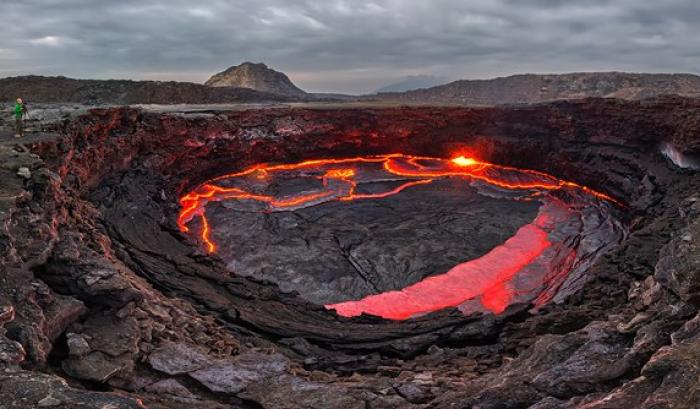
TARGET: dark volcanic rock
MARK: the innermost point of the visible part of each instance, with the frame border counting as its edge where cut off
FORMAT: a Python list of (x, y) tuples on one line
[(347, 250), (11, 352), (31, 390), (178, 358), (290, 392), (679, 261), (235, 375), (96, 366), (90, 237)]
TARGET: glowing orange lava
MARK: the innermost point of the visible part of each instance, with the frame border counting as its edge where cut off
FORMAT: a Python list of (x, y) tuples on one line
[(487, 277), (462, 161), (407, 166)]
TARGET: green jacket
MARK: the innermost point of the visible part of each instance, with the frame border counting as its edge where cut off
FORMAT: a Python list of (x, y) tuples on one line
[(20, 110)]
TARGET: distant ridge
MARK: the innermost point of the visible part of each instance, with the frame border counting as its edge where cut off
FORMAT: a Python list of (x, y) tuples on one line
[(258, 77), (516, 89), (413, 82), (533, 88), (61, 89)]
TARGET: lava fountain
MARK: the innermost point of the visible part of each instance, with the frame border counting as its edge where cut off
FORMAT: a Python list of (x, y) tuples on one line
[(545, 259)]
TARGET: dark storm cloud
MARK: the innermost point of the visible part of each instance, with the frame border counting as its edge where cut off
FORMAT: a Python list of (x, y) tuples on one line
[(346, 45)]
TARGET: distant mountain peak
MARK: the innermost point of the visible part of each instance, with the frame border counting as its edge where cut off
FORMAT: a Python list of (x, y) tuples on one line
[(413, 82), (257, 76)]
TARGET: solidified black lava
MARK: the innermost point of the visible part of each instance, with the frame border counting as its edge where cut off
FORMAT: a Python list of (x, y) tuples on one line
[(95, 262), (544, 259), (341, 251)]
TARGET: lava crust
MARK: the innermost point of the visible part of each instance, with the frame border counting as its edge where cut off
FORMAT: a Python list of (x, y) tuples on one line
[(572, 228), (104, 288)]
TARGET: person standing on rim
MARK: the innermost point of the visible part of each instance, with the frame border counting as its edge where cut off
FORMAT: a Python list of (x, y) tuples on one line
[(20, 112)]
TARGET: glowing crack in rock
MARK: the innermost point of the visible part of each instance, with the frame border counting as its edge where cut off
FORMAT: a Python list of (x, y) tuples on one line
[(516, 270)]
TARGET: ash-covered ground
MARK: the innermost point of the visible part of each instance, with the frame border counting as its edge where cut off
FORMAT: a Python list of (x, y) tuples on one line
[(105, 303)]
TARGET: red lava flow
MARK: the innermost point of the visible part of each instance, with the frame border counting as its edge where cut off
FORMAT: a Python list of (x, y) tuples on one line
[(487, 278)]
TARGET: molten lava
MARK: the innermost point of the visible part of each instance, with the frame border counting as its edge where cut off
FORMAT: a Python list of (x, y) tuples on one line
[(486, 276), (462, 161), (488, 279)]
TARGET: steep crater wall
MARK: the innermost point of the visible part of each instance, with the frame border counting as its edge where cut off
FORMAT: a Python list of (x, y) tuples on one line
[(99, 229)]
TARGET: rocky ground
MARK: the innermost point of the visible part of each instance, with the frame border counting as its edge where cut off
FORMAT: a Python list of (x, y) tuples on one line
[(105, 304)]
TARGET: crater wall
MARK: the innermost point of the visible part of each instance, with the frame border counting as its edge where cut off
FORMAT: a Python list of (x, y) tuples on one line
[(102, 288)]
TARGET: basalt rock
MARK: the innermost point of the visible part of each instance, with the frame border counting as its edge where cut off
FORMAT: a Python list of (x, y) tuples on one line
[(679, 264), (108, 293), (11, 352)]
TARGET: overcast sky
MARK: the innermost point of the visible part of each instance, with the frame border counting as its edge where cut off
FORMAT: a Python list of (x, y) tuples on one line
[(351, 46)]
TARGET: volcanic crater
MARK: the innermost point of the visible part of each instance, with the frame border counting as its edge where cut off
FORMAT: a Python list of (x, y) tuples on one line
[(359, 257), (376, 227)]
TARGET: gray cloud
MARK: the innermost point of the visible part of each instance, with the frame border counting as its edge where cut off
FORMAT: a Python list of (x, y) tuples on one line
[(346, 45)]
